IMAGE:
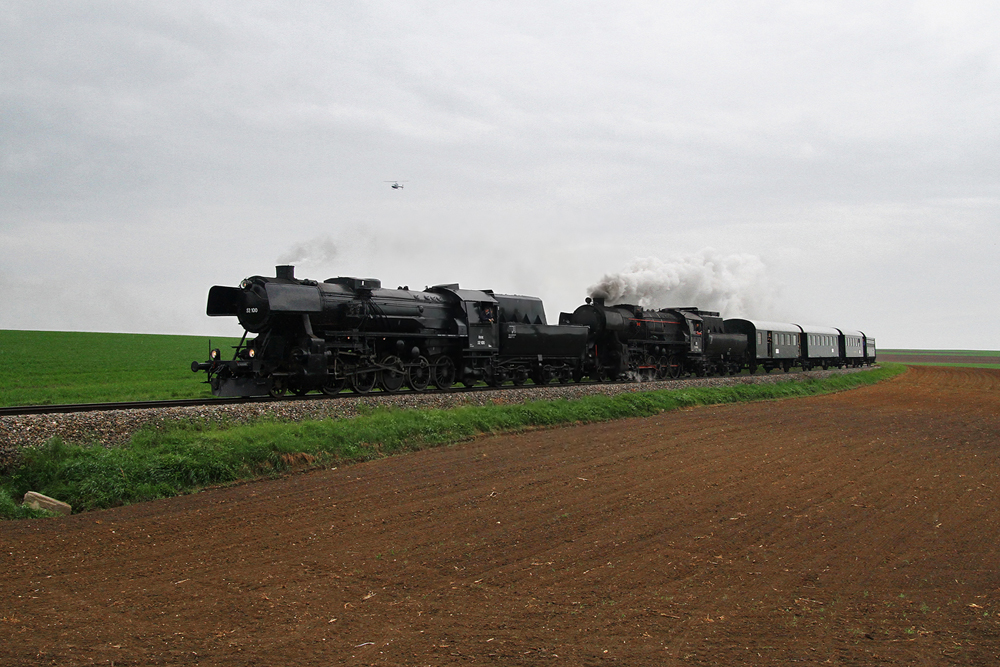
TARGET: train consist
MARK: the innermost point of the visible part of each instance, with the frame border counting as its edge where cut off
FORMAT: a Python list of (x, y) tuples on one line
[(352, 332)]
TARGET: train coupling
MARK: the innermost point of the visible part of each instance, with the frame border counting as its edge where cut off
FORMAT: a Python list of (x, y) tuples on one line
[(214, 357)]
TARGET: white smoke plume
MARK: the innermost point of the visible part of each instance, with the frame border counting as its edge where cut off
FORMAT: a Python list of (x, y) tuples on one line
[(734, 285), (319, 250)]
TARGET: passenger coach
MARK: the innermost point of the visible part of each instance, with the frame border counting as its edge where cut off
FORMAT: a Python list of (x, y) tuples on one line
[(769, 344)]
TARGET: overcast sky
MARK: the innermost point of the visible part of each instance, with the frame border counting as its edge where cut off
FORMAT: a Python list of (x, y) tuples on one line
[(834, 163)]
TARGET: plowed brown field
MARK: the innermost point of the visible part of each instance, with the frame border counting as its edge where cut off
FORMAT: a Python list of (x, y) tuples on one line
[(852, 529)]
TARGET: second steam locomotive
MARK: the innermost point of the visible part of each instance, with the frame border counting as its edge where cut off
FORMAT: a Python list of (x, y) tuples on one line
[(352, 332)]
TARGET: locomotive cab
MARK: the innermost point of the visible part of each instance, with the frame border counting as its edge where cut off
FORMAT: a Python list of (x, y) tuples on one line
[(476, 319)]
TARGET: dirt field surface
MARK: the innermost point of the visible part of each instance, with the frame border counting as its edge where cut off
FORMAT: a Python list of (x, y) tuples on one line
[(939, 358), (853, 529)]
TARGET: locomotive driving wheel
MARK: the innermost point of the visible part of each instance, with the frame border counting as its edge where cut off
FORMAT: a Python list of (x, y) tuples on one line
[(332, 385), (391, 375), (443, 372), (363, 381), (418, 374), (648, 374)]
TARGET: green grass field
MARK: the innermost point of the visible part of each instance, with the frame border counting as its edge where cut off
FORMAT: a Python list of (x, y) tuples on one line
[(960, 358), (56, 367), (944, 353)]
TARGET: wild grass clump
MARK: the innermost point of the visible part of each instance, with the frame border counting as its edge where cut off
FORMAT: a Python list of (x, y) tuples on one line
[(165, 462)]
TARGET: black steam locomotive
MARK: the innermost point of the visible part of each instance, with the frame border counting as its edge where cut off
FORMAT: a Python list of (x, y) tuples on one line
[(351, 332), (656, 344)]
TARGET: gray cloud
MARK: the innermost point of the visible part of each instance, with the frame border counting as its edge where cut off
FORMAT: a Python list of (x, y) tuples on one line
[(193, 143)]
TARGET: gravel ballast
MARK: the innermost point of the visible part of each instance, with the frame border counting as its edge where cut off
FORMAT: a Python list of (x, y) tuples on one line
[(114, 427)]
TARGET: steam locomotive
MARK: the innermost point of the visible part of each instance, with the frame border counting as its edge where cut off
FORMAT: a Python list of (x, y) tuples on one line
[(352, 332)]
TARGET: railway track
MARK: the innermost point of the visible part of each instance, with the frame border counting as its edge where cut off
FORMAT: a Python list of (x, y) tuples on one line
[(21, 410)]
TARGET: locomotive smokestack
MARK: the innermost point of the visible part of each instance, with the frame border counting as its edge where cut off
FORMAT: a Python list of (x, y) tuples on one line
[(286, 271)]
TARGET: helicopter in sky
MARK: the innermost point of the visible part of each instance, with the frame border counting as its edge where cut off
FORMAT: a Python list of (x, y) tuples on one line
[(396, 185)]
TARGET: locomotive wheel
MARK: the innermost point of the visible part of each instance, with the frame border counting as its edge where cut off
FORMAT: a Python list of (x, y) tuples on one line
[(300, 391), (443, 372), (542, 376), (332, 386), (565, 375), (577, 374), (674, 367), (391, 377), (519, 376), (418, 375), (649, 374), (277, 388), (495, 377), (364, 381)]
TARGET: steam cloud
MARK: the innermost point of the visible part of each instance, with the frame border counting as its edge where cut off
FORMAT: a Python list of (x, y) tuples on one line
[(320, 250), (735, 285)]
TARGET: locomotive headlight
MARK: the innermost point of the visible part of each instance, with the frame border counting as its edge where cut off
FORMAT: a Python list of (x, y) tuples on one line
[(252, 353), (215, 354)]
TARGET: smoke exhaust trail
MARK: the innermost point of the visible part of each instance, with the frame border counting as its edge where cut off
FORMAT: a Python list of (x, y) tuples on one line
[(735, 285), (320, 250)]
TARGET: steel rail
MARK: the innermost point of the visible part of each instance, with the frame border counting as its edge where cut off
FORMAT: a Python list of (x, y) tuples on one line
[(21, 410)]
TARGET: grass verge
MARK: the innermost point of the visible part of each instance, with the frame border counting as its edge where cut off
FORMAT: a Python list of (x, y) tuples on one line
[(185, 457)]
